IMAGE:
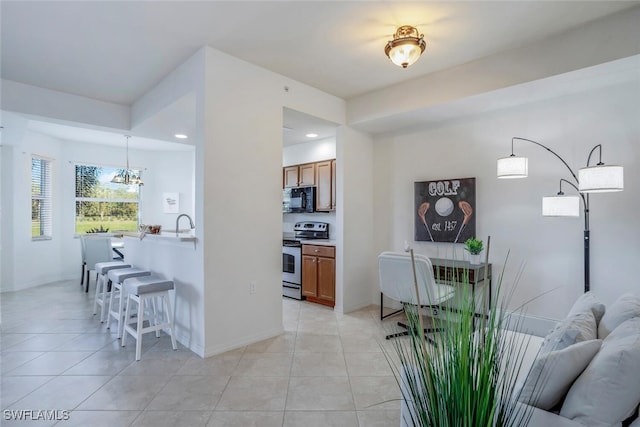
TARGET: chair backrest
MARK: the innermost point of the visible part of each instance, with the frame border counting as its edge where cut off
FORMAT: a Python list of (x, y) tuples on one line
[(97, 249), (396, 278)]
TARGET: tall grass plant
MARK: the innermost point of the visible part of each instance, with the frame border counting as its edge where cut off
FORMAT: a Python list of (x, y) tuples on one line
[(468, 378)]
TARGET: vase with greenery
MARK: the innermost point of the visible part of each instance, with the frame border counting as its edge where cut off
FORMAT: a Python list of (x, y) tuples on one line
[(474, 247), (468, 377)]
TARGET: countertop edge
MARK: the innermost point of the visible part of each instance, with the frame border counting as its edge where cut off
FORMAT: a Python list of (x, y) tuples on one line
[(319, 242), (165, 237)]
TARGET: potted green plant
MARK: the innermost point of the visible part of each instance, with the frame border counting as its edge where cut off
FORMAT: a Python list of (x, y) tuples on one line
[(102, 229), (468, 377), (474, 247)]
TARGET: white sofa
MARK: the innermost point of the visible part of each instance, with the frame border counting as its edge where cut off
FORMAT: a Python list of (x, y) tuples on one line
[(590, 365)]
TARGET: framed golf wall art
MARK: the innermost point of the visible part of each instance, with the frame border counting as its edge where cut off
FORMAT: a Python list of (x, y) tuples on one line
[(445, 210)]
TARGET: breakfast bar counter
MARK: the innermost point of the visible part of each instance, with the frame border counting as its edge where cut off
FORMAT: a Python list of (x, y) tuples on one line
[(163, 236), (174, 258)]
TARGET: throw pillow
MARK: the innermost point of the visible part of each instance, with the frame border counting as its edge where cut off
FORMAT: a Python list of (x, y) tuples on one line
[(624, 308), (607, 392), (625, 329), (553, 373), (586, 302), (575, 328)]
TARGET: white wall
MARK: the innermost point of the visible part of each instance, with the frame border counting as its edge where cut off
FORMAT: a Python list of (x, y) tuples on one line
[(38, 101), (168, 172), (242, 180), (307, 152), (355, 251), (551, 249), (50, 254), (59, 258)]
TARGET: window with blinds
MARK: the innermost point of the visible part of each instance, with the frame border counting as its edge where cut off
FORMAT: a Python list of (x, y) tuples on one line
[(102, 206), (41, 213)]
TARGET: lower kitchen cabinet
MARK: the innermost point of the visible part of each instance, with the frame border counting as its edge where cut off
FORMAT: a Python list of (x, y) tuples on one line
[(319, 274)]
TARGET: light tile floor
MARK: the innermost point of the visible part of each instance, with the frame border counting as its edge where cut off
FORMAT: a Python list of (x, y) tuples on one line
[(327, 369)]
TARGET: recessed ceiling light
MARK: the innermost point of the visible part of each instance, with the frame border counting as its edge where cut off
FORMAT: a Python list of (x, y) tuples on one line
[(312, 135), (181, 136)]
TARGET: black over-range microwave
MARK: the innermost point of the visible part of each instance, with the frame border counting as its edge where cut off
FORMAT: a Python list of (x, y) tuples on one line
[(299, 199)]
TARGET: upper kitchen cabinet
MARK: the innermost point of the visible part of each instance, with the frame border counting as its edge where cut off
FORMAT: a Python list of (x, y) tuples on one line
[(299, 175), (326, 185)]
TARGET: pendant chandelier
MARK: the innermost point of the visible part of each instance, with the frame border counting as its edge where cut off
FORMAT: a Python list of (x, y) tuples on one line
[(127, 176)]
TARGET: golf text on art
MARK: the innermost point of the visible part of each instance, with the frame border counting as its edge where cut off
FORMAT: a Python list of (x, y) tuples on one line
[(445, 210)]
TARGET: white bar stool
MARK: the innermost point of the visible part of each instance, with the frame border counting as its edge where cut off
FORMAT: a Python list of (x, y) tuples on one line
[(141, 290), (102, 285), (117, 277)]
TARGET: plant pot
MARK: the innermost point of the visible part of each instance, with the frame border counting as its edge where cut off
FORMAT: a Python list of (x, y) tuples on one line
[(475, 259)]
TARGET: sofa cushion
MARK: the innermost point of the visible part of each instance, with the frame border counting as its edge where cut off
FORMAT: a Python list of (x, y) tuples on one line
[(527, 344), (553, 373), (540, 418), (575, 328), (625, 329), (626, 307), (607, 392), (588, 302)]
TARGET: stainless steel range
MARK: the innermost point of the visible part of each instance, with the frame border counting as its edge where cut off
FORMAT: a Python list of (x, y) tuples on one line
[(292, 255)]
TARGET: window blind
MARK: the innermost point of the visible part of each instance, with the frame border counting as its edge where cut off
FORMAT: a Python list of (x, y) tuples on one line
[(41, 199)]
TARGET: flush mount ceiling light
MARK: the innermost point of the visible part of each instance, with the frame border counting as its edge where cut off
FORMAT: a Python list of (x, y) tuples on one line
[(406, 47), (180, 136), (127, 176), (312, 135)]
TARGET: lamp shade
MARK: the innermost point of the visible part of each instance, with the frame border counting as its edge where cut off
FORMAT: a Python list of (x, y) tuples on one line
[(561, 206), (405, 54), (513, 167), (406, 47), (601, 179)]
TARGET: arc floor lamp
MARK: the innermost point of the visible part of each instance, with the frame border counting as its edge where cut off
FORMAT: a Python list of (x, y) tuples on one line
[(599, 178)]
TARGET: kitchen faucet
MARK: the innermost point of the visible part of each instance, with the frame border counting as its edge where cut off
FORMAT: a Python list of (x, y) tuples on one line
[(191, 224)]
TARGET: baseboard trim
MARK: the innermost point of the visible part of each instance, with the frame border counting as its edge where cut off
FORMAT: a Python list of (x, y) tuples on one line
[(214, 350)]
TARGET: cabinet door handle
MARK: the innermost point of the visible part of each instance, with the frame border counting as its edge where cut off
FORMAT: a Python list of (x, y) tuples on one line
[(316, 251)]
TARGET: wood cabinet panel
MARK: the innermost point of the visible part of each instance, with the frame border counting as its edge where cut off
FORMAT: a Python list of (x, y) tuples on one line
[(318, 250), (326, 279), (319, 274), (333, 184), (309, 276), (290, 177), (307, 174), (299, 175), (323, 189)]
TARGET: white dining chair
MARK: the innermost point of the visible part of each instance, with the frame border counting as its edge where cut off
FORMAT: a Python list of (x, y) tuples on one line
[(397, 282), (97, 249)]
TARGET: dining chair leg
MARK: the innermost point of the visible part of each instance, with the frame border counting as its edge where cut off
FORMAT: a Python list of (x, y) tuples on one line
[(82, 275)]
